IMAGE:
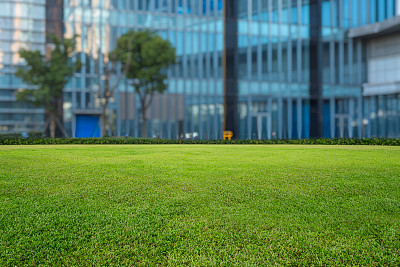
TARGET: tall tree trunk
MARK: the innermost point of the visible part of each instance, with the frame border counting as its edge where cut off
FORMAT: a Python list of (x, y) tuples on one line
[(52, 126), (143, 121)]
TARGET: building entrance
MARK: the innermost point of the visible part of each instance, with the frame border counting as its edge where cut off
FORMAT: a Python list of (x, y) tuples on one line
[(342, 123), (263, 124)]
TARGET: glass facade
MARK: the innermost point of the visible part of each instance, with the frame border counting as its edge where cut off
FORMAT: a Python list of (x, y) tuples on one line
[(22, 25), (195, 84), (261, 68)]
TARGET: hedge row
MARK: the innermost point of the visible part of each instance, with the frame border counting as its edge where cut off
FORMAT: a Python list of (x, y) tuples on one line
[(121, 141)]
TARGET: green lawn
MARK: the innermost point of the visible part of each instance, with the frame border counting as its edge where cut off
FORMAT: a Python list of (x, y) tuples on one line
[(200, 205)]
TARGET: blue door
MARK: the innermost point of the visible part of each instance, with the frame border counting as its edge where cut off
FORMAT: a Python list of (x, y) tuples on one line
[(87, 126)]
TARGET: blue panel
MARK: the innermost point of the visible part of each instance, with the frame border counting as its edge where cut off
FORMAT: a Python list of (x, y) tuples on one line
[(373, 10), (381, 10), (355, 11), (87, 126), (363, 6), (220, 4), (326, 14), (390, 9), (346, 15), (326, 121)]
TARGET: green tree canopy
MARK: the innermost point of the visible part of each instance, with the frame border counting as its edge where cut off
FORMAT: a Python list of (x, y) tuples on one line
[(148, 56), (49, 75)]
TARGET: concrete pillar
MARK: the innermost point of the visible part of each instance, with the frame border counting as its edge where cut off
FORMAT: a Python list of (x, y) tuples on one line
[(360, 116), (290, 117), (74, 125), (200, 118), (259, 127), (333, 117), (398, 7), (368, 127), (390, 116), (351, 118), (341, 126), (299, 117), (374, 119), (269, 126), (269, 119), (280, 118)]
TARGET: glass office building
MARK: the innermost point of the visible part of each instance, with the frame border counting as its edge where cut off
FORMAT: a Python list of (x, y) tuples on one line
[(260, 68), (22, 24)]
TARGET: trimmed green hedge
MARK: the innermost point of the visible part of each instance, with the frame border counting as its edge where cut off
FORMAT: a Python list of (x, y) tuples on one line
[(121, 141)]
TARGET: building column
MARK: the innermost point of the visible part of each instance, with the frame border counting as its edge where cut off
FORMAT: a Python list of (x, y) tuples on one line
[(169, 130), (200, 118), (269, 126), (290, 117), (280, 117), (368, 126), (249, 126), (360, 116), (375, 125), (351, 118), (341, 126), (74, 125), (315, 58), (333, 117), (193, 116), (382, 106), (230, 68), (269, 119), (259, 127)]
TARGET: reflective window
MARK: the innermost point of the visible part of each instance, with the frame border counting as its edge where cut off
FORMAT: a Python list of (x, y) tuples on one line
[(305, 14), (346, 14), (355, 9), (363, 13), (326, 13), (264, 10), (381, 10), (373, 11), (294, 15)]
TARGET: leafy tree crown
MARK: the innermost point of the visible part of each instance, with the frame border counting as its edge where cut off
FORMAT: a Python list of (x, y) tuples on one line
[(48, 76), (149, 55)]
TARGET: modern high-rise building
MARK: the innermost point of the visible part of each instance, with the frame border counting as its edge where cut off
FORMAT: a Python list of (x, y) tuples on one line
[(264, 69)]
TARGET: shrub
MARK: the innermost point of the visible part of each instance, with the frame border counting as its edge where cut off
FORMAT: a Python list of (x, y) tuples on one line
[(17, 140)]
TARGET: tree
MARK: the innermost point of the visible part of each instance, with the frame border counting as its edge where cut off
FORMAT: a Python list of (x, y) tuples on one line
[(106, 88), (149, 56), (49, 76)]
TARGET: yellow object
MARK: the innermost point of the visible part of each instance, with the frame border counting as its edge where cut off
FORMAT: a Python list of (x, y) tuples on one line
[(227, 134)]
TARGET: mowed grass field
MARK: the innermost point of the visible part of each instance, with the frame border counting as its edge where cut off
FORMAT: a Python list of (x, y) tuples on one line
[(199, 205)]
